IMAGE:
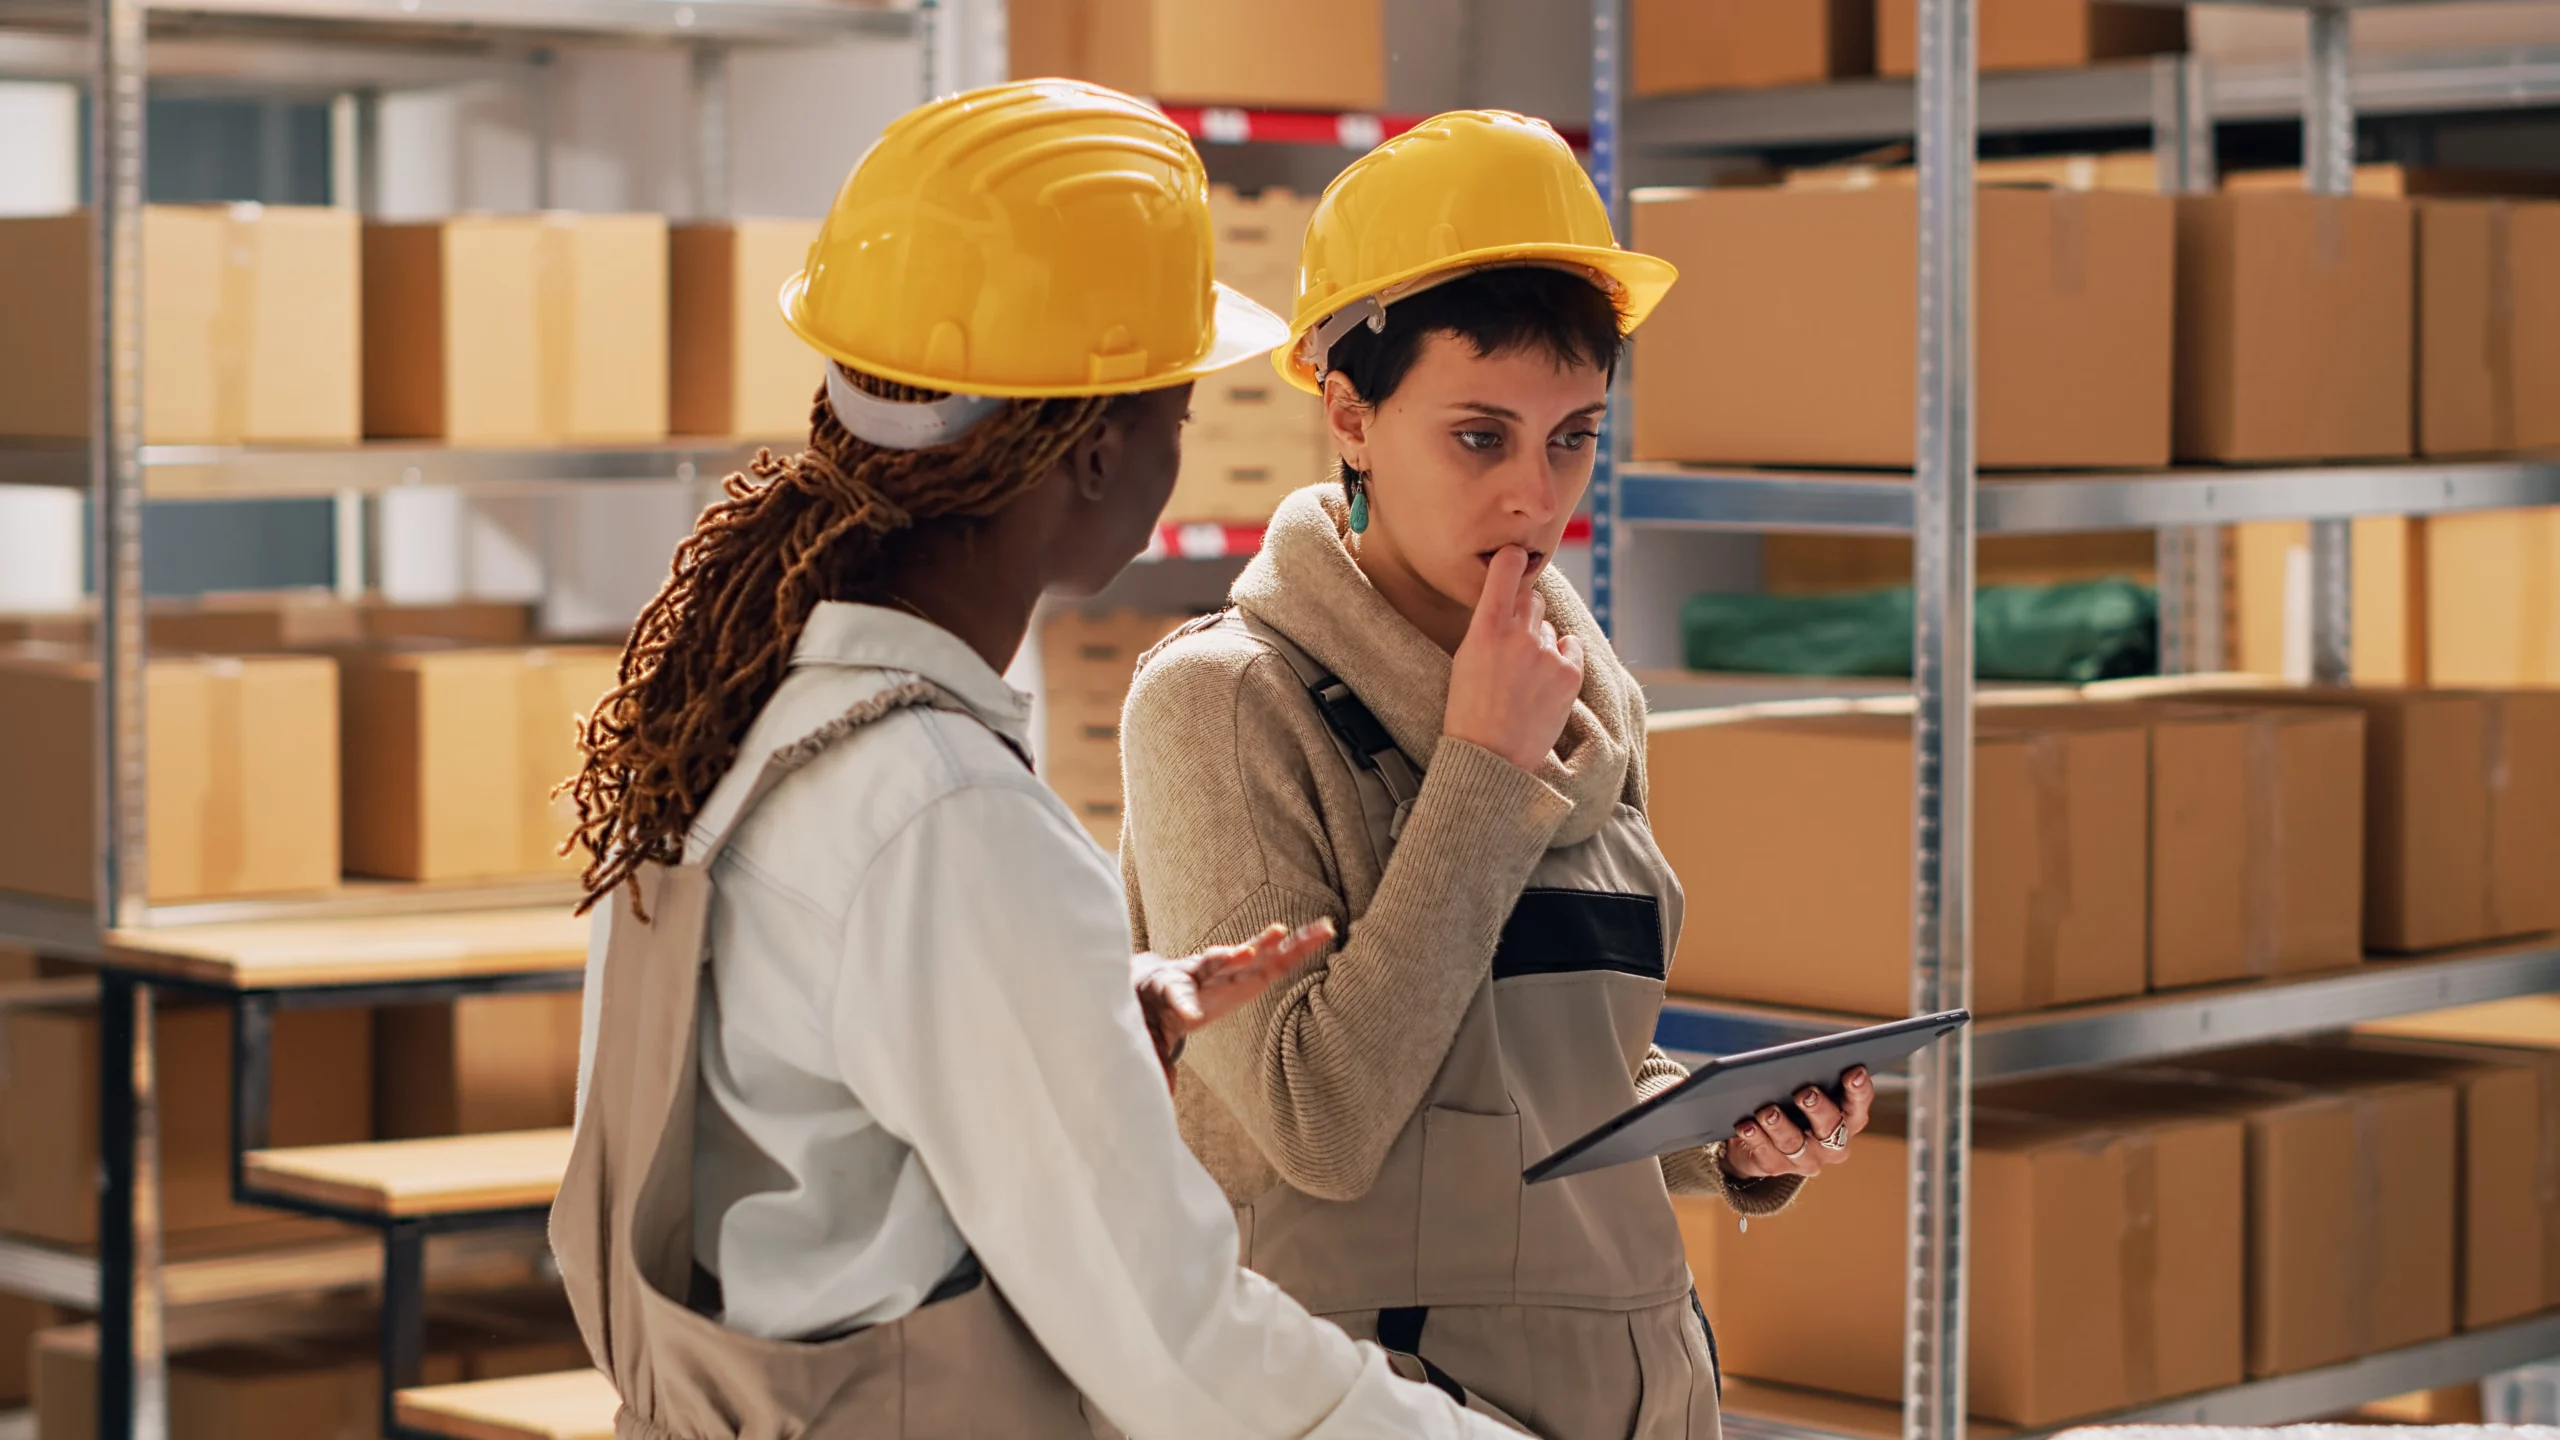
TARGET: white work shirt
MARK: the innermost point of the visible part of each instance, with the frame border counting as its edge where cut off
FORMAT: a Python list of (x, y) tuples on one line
[(919, 1038)]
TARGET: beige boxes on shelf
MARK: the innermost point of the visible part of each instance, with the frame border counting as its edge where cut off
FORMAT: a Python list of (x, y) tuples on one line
[(2272, 596), (733, 367), (479, 1065), (1253, 437), (242, 757), (517, 329), (1086, 663), (451, 756), (2462, 806), (1256, 242), (2488, 326), (2257, 842), (2038, 34), (249, 317), (2294, 327), (253, 621), (1789, 338), (1794, 835), (1723, 44), (1314, 54), (2104, 1260), (322, 1087)]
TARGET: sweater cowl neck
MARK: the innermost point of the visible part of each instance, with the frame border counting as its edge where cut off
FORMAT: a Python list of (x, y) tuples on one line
[(1305, 584)]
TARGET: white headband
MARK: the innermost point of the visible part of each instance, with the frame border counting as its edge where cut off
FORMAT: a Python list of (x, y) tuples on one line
[(905, 424)]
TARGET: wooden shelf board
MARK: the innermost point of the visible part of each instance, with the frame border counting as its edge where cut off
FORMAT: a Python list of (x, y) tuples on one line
[(570, 1405), (441, 1176), (368, 950)]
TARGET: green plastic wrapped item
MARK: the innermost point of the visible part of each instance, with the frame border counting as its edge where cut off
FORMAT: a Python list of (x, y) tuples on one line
[(2080, 631)]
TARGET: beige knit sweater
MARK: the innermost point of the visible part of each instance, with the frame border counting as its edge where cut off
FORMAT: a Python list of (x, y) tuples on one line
[(1240, 814)]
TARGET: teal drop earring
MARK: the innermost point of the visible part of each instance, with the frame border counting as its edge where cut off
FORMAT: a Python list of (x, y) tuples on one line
[(1357, 484)]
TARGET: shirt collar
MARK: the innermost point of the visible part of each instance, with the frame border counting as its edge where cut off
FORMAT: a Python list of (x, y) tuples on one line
[(875, 637)]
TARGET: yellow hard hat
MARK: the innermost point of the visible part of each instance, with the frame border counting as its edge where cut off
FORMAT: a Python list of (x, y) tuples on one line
[(1046, 237), (1459, 192)]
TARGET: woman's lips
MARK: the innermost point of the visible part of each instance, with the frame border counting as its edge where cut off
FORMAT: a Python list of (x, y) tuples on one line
[(1536, 557)]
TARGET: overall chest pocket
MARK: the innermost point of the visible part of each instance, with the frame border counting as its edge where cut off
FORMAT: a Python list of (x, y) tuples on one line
[(1559, 932)]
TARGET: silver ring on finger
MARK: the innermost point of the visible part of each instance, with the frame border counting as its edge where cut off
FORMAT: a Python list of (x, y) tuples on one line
[(1790, 1154), (1838, 1139)]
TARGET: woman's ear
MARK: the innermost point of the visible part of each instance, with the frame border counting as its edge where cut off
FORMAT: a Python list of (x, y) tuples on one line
[(1091, 460), (1347, 416)]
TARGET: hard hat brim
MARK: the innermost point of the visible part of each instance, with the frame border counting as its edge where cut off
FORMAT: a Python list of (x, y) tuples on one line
[(1239, 330), (1642, 281)]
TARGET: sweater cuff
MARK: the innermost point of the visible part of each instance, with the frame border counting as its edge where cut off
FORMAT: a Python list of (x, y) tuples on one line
[(1494, 807), (1701, 1172)]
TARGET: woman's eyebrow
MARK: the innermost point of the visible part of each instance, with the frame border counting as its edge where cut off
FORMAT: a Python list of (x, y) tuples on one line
[(1496, 412)]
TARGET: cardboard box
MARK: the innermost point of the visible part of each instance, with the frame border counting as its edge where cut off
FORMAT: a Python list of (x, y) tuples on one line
[(249, 317), (2257, 842), (1795, 834), (1257, 239), (2244, 32), (2392, 180), (1790, 338), (2401, 1124), (1816, 564), (1725, 44), (2271, 593), (2490, 602), (2488, 326), (2037, 34), (2349, 1193), (2462, 806), (243, 793), (451, 756), (734, 368), (1315, 55), (2528, 1026), (2105, 1257), (480, 1065), (1242, 480), (2499, 1178), (1086, 663), (517, 329), (250, 622), (323, 1079), (2294, 322)]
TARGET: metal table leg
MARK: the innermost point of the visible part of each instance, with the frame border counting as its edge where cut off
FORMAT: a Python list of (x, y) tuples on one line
[(404, 1314), (132, 1360)]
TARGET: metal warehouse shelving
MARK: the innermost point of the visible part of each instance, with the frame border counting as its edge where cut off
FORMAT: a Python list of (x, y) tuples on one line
[(1943, 505)]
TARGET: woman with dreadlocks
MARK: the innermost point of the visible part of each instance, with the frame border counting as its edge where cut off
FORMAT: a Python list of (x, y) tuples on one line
[(872, 1139)]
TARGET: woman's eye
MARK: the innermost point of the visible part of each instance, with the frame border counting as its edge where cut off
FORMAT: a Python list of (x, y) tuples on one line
[(1577, 439), (1480, 440)]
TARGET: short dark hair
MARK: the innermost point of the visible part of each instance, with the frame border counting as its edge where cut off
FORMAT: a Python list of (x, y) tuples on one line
[(1497, 312)]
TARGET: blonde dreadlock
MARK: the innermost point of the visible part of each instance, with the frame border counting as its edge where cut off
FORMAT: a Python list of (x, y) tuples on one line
[(714, 645)]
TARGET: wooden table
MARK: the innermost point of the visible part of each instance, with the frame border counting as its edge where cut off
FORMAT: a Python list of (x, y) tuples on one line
[(258, 968)]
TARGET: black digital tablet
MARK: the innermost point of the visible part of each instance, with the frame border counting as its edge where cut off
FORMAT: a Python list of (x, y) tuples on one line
[(1705, 1106)]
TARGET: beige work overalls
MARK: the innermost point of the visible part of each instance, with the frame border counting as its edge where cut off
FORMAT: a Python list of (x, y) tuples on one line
[(959, 1368), (1566, 1305)]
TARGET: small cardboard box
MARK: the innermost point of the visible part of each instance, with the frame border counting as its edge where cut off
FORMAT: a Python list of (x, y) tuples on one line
[(1789, 340), (2132, 171), (2037, 34), (734, 368), (2257, 842), (1241, 480), (451, 757), (1729, 44), (2499, 1231), (2400, 1128), (1313, 55), (2488, 326), (322, 1082), (1795, 834), (2491, 598), (249, 316), (2105, 1260), (2462, 806), (480, 1065), (517, 329), (2294, 321), (243, 793), (1258, 238)]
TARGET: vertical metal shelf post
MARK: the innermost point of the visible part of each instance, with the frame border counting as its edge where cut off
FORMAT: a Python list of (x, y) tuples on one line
[(1942, 723), (1608, 108), (708, 70), (2329, 164)]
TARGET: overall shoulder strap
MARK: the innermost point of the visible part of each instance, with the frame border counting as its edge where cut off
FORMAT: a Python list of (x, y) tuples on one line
[(905, 692), (1357, 734)]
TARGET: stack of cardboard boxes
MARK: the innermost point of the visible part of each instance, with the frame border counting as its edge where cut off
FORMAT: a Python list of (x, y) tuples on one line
[(284, 325), (1726, 44), (2157, 839), (1253, 437), (1086, 663), (1314, 55), (2153, 1232)]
